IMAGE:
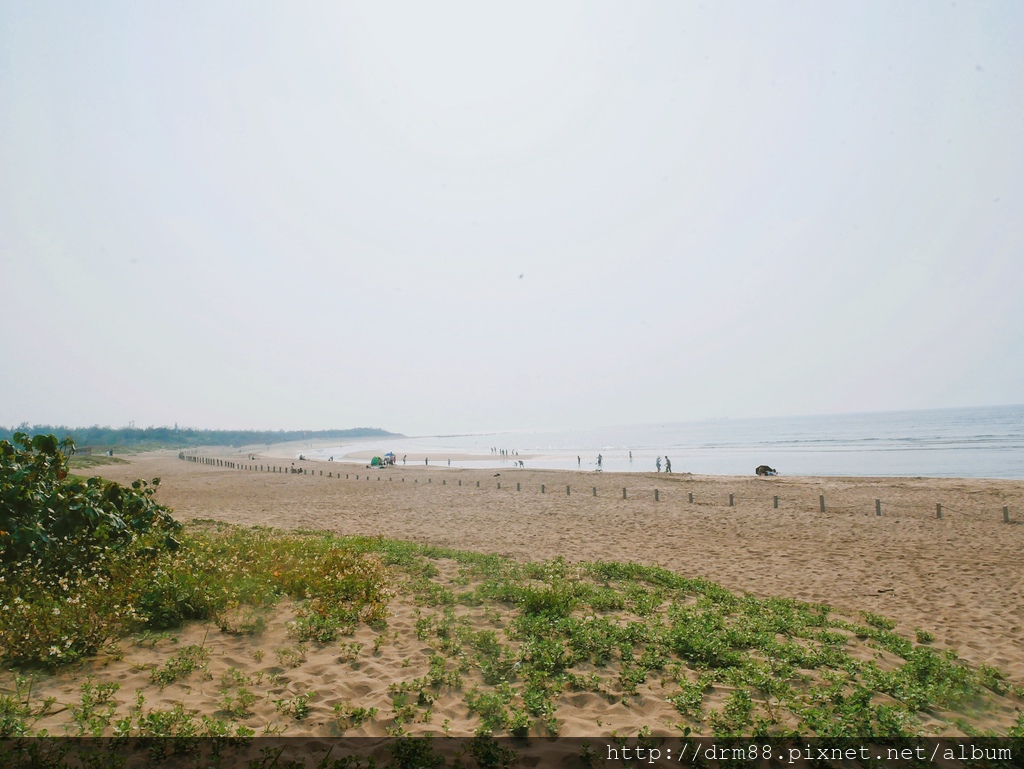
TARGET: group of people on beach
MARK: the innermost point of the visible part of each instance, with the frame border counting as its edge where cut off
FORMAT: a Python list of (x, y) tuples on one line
[(657, 462)]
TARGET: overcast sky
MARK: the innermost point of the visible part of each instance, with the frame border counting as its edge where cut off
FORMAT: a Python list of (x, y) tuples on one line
[(452, 217)]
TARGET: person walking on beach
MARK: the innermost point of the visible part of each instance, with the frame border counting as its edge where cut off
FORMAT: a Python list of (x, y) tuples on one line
[(426, 460), (668, 465), (657, 464), (578, 460), (598, 460), (403, 458)]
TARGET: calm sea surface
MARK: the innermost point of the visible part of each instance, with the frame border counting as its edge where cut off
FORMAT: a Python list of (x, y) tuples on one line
[(969, 442)]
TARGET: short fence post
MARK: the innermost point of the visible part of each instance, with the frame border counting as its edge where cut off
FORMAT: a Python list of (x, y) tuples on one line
[(542, 488), (499, 484), (775, 501), (691, 497), (595, 491), (460, 483), (878, 507), (1006, 514), (623, 493), (517, 487), (567, 491), (730, 500), (478, 484), (821, 502), (444, 482), (655, 495)]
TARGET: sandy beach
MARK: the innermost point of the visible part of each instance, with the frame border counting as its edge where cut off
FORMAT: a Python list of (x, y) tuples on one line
[(957, 577)]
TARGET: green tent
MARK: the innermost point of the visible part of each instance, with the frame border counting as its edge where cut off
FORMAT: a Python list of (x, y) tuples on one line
[(376, 462)]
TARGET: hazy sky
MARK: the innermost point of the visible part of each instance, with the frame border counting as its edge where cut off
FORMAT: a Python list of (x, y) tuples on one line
[(453, 217)]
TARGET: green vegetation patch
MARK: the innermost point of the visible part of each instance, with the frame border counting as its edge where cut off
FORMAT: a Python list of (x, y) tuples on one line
[(84, 563)]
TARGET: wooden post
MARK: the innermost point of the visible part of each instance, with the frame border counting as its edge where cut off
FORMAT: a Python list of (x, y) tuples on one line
[(542, 488), (567, 491), (499, 484), (691, 497), (878, 508), (1006, 513), (595, 491), (623, 493), (517, 487), (775, 501), (821, 502), (655, 495), (478, 484), (443, 482), (460, 482), (730, 500), (938, 510)]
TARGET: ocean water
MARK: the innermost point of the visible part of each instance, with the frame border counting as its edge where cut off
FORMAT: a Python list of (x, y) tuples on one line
[(964, 442)]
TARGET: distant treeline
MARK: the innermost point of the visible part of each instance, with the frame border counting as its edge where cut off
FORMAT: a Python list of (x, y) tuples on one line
[(183, 437)]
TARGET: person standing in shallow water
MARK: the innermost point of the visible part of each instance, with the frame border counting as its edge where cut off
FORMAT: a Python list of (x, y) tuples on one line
[(598, 460), (657, 465), (668, 465)]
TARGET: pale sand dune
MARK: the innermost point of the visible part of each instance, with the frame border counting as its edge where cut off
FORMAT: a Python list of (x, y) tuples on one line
[(957, 577)]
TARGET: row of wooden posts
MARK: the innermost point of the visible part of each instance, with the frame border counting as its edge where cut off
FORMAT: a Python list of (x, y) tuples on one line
[(543, 489)]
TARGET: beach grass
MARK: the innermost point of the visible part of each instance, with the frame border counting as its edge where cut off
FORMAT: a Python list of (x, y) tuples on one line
[(89, 461), (513, 643)]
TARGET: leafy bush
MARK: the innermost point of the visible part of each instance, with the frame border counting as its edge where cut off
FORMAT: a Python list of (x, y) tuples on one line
[(69, 552), (48, 519)]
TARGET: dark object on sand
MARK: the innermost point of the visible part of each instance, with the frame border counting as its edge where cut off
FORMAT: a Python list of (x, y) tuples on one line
[(765, 470)]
